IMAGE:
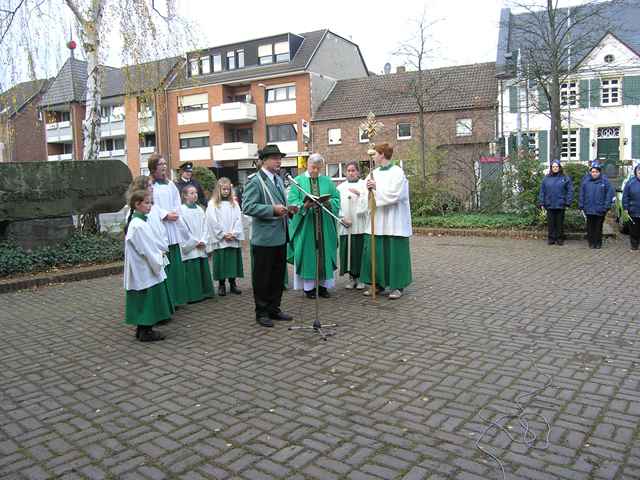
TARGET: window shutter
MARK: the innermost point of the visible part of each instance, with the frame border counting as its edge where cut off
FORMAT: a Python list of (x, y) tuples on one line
[(543, 102), (594, 97), (584, 93), (513, 99), (513, 144), (543, 146), (635, 141), (585, 143), (631, 91)]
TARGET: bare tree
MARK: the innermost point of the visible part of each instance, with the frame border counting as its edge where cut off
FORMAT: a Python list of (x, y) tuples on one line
[(549, 42), (145, 31), (415, 52)]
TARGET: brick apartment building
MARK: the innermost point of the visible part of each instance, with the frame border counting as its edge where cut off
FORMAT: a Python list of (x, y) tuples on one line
[(133, 121), (22, 128), (459, 120), (229, 101)]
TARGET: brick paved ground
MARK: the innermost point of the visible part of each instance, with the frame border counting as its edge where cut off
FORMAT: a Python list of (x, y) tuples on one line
[(397, 394)]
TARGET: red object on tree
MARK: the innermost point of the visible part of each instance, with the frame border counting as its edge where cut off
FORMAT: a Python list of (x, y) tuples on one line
[(71, 45)]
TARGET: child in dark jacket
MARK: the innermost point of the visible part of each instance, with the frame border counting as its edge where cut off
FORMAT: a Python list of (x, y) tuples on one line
[(631, 204), (596, 198), (556, 194)]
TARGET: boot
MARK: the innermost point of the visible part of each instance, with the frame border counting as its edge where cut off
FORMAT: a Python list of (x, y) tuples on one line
[(233, 288), (222, 290), (148, 335)]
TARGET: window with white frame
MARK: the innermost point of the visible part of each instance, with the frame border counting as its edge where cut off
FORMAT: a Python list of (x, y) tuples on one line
[(205, 64), (231, 60), (569, 93), (403, 131), (569, 148), (265, 54), (335, 136), (194, 67), (240, 55), (190, 103), (363, 136), (533, 144), (334, 171), (281, 94), (194, 142), (282, 133), (217, 62), (610, 91), (464, 127), (281, 50)]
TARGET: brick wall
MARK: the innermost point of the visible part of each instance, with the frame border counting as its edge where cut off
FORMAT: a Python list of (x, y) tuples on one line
[(29, 140)]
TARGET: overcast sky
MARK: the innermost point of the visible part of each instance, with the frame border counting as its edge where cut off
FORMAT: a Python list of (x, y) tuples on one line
[(465, 31)]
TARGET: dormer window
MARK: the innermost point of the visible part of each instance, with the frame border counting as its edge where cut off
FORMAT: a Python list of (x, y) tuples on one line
[(265, 54), (282, 52), (194, 67), (205, 64), (217, 63), (231, 60)]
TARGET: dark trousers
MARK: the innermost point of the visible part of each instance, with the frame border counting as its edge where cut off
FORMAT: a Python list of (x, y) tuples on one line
[(555, 220), (268, 268), (594, 230), (634, 232)]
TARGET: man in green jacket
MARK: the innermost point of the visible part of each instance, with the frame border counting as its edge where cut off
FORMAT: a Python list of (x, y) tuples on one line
[(302, 250), (265, 200)]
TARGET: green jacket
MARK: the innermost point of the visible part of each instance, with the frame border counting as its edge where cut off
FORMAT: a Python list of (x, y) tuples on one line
[(302, 251), (266, 229)]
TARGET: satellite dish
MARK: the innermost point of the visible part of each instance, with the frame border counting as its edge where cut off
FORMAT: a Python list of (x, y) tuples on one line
[(387, 68)]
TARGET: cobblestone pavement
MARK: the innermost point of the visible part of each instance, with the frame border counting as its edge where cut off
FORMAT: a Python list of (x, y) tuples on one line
[(400, 392)]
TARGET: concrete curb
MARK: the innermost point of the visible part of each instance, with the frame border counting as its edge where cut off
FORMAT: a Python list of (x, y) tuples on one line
[(498, 233), (71, 274)]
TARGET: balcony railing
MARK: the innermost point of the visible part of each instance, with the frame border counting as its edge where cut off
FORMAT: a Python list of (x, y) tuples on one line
[(59, 132), (111, 153), (235, 151), (57, 158), (235, 112), (147, 150)]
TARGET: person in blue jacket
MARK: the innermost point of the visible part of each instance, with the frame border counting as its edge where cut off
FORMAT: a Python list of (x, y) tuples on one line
[(631, 204), (556, 194), (596, 198)]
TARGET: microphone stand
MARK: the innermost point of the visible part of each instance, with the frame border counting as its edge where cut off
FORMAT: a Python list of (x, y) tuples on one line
[(319, 207)]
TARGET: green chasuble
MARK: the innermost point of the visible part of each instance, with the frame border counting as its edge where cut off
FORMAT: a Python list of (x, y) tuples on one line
[(302, 251)]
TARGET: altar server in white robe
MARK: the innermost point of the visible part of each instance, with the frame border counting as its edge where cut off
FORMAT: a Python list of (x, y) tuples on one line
[(392, 227), (353, 212), (147, 299), (226, 231), (167, 198), (193, 249)]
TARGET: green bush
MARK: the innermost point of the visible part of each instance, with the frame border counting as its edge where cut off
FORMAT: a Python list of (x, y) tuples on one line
[(206, 178), (476, 220), (576, 171), (77, 249)]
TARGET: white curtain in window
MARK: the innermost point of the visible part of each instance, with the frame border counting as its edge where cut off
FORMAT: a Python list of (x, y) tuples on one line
[(199, 99)]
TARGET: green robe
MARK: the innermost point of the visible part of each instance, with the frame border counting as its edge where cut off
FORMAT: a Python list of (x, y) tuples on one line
[(302, 251)]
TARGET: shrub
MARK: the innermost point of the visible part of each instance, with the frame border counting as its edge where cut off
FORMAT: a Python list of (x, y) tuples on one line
[(77, 249), (206, 178), (476, 220), (576, 171)]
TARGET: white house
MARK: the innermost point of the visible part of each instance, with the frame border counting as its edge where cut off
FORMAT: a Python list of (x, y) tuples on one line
[(600, 102)]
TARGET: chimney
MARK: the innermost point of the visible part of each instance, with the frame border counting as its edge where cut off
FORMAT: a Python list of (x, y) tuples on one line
[(401, 69)]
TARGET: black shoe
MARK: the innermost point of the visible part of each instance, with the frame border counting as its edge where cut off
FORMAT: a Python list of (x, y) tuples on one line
[(310, 294), (264, 321), (148, 335), (222, 290), (284, 317), (323, 292), (233, 288), (560, 243), (634, 247), (163, 322), (551, 242)]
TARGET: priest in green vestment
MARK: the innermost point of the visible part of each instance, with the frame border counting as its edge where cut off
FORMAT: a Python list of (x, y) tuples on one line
[(302, 249)]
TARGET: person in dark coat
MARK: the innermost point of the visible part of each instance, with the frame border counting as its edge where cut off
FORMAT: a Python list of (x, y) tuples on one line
[(631, 204), (556, 194), (186, 178), (596, 198)]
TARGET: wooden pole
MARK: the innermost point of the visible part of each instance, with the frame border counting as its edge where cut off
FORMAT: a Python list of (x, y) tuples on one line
[(372, 213)]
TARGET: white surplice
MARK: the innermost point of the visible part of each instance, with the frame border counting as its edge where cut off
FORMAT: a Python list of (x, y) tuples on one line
[(354, 208), (222, 219), (196, 225), (144, 262), (167, 199), (393, 212)]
